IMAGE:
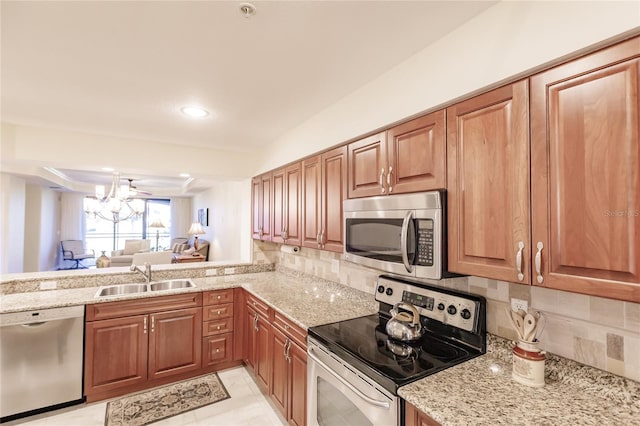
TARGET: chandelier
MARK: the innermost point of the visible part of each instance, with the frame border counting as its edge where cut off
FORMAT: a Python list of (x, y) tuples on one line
[(116, 206)]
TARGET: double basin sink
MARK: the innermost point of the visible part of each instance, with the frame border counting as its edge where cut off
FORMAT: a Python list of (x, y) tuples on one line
[(122, 289)]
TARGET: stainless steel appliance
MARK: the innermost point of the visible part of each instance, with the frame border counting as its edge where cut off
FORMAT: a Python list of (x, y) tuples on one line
[(41, 357), (403, 234), (355, 368)]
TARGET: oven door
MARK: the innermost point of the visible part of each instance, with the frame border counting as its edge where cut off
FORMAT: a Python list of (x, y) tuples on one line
[(339, 396)]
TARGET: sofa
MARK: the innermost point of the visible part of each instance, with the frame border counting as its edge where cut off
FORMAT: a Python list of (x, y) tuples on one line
[(184, 246), (124, 257)]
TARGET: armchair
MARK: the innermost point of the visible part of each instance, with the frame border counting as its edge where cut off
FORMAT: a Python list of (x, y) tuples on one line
[(75, 251), (124, 257)]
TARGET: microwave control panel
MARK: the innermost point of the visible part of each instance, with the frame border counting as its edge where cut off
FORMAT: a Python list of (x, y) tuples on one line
[(424, 255)]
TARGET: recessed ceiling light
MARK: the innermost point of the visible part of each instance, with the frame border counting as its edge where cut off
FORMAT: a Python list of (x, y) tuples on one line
[(194, 112), (107, 169), (184, 175)]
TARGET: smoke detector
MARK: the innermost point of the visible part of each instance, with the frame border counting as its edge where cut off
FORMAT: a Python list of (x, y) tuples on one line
[(247, 10)]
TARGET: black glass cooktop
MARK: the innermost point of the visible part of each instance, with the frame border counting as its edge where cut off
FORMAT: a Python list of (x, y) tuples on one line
[(363, 343)]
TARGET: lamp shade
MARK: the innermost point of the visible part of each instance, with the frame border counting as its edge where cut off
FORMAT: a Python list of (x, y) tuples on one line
[(157, 223), (196, 229)]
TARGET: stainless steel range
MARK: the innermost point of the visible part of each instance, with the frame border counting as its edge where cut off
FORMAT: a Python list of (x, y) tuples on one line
[(356, 367)]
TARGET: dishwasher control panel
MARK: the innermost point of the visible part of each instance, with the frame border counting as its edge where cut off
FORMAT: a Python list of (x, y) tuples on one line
[(43, 315)]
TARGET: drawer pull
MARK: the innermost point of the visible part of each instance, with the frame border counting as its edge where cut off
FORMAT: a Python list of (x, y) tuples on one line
[(219, 312), (218, 327), (286, 326), (219, 297), (218, 350), (255, 303)]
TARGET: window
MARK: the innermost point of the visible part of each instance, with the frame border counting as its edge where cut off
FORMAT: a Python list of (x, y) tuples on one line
[(105, 235)]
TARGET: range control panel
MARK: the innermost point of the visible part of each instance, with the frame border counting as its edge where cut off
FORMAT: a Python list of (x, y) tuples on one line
[(451, 309)]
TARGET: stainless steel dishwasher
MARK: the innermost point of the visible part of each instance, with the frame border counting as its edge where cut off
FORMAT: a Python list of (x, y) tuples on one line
[(41, 357)]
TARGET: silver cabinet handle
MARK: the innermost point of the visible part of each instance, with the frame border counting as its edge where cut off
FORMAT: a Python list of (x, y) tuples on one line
[(287, 356), (519, 260), (144, 325), (255, 323), (403, 241), (389, 179), (539, 262), (153, 323), (323, 238), (284, 349), (382, 180), (318, 239)]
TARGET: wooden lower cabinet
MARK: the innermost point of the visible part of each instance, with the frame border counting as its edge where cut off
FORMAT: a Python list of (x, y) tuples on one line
[(218, 329), (126, 353), (258, 333), (415, 417), (217, 349), (289, 374)]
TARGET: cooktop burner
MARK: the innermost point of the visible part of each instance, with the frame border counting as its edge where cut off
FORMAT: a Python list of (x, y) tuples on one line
[(364, 343)]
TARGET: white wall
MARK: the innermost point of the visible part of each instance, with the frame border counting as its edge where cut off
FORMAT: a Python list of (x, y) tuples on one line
[(506, 40), (12, 217), (42, 222), (229, 230)]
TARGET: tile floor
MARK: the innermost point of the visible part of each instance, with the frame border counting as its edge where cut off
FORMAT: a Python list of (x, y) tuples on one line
[(248, 406)]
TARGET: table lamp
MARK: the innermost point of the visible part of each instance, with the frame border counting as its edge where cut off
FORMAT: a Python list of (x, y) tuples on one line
[(195, 230), (157, 223)]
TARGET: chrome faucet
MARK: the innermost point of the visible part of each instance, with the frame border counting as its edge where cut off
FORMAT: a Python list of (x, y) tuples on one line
[(146, 272)]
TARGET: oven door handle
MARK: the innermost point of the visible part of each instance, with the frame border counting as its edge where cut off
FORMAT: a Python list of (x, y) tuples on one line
[(383, 404), (403, 241)]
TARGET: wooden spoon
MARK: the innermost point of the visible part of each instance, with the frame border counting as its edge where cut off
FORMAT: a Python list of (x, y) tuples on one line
[(529, 328), (519, 323)]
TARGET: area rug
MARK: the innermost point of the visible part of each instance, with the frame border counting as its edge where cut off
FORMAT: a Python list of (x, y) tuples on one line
[(159, 403)]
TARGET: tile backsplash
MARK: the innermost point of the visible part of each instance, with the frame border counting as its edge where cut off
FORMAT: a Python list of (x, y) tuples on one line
[(599, 332)]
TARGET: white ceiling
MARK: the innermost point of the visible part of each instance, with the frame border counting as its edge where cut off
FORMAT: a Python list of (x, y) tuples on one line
[(124, 69)]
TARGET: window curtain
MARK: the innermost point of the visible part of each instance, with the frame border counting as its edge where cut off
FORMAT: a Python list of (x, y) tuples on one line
[(73, 225), (180, 217)]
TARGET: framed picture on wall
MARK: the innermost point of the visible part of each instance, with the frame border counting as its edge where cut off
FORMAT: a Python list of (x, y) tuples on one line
[(203, 217)]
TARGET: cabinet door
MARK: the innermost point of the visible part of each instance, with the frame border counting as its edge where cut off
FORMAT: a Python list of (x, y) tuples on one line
[(279, 206), (256, 205), (488, 184), (262, 352), (311, 201), (250, 336), (368, 166), (175, 342), (293, 189), (417, 160), (334, 186), (266, 209), (279, 371), (586, 173), (115, 353), (297, 413)]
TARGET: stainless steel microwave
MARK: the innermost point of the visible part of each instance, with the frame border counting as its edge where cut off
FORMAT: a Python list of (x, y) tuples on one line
[(402, 234)]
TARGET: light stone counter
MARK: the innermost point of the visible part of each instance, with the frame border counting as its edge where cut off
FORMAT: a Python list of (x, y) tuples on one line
[(306, 300), (482, 392)]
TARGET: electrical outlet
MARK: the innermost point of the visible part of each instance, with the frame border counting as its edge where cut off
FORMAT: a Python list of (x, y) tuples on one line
[(229, 271), (48, 285), (517, 304), (211, 272)]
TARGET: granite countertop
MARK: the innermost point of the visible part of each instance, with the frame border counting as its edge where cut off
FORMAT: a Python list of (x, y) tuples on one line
[(482, 392), (306, 300)]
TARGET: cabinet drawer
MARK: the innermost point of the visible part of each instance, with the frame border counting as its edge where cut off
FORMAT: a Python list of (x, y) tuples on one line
[(217, 327), (217, 349), (146, 305), (258, 305), (291, 330), (218, 312), (217, 296)]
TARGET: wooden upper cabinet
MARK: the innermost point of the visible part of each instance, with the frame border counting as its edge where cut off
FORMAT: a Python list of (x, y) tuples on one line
[(585, 173), (368, 166), (311, 201), (416, 150), (292, 194), (334, 192), (488, 184), (262, 200), (279, 206), (409, 157)]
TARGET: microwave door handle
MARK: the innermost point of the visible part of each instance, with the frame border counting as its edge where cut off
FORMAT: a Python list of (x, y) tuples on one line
[(403, 241)]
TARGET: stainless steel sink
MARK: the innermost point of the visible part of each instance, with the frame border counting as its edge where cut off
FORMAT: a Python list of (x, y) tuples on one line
[(119, 289), (171, 284)]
